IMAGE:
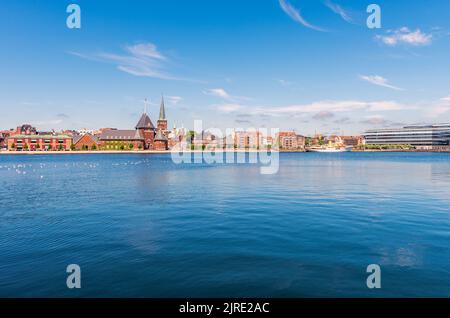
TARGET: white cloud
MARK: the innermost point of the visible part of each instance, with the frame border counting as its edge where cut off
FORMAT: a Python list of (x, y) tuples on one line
[(319, 110), (218, 92), (333, 106), (48, 122), (284, 82), (146, 50), (174, 99), (295, 15), (375, 120), (323, 115), (405, 36), (440, 108), (142, 59), (379, 80), (228, 108), (222, 93), (339, 10)]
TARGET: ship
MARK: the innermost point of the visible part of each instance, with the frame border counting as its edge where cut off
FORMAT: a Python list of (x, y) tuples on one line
[(337, 146)]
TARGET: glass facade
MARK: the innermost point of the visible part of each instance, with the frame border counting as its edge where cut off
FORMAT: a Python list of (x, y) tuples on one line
[(417, 135)]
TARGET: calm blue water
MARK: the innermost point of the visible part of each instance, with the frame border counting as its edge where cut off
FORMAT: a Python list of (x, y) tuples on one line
[(139, 225)]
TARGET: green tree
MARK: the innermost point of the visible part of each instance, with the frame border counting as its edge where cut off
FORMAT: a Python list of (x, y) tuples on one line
[(321, 140), (72, 147), (308, 141), (131, 146), (94, 147)]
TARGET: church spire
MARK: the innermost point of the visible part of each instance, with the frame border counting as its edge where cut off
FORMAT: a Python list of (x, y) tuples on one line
[(162, 111)]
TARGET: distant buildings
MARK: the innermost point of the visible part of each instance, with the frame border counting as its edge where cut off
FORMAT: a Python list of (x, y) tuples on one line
[(291, 141), (423, 137), (25, 129), (348, 141), (288, 141), (246, 139), (145, 136), (2, 140), (177, 136), (85, 131)]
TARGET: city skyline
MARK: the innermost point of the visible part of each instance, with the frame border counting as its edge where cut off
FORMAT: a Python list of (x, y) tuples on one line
[(295, 65)]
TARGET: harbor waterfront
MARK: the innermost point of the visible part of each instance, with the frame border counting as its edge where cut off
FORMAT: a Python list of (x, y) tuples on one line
[(139, 225)]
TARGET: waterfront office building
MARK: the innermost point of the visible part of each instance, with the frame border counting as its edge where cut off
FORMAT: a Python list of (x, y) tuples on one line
[(420, 136)]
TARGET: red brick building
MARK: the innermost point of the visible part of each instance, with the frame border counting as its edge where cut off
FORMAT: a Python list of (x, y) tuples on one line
[(160, 142), (39, 142), (3, 138), (25, 129), (142, 138), (121, 140), (85, 142), (246, 139), (291, 141), (146, 130)]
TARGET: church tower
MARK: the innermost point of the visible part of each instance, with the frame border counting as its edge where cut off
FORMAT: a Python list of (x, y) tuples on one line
[(146, 129), (162, 121)]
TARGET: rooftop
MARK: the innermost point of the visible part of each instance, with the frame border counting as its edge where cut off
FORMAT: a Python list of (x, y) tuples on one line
[(61, 136), (121, 135), (145, 122)]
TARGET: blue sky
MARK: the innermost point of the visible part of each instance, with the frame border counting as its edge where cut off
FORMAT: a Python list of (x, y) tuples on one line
[(308, 65)]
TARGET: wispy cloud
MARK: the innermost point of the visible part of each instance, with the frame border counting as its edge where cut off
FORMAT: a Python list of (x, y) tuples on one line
[(141, 59), (284, 82), (323, 115), (48, 122), (295, 15), (379, 81), (174, 100), (218, 92), (321, 110), (223, 94), (242, 121), (228, 108), (405, 36), (377, 120), (439, 108), (343, 120), (339, 10), (333, 107)]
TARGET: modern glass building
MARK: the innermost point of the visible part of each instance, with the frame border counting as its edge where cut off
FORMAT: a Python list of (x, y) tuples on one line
[(416, 135)]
